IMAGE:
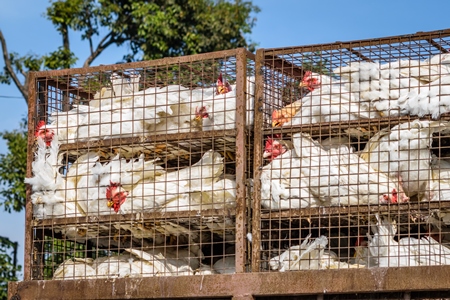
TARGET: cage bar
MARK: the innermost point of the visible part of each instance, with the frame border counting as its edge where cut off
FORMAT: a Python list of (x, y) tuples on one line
[(347, 225), (351, 160), (140, 169)]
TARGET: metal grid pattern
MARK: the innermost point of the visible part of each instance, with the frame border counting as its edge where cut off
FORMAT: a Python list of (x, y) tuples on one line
[(352, 158), (134, 168), (351, 222)]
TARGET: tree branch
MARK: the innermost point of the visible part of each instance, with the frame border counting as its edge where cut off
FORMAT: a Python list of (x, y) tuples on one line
[(102, 45), (22, 87), (65, 36)]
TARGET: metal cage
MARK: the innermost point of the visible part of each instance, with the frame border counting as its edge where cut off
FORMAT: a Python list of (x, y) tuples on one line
[(352, 157), (140, 169), (317, 172)]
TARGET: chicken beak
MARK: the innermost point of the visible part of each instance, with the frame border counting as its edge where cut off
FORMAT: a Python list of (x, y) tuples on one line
[(276, 124), (267, 154), (221, 90)]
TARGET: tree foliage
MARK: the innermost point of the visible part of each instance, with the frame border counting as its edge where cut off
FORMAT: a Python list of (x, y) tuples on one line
[(13, 169), (8, 265), (150, 29)]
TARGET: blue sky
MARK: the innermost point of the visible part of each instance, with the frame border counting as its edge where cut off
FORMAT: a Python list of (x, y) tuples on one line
[(280, 23)]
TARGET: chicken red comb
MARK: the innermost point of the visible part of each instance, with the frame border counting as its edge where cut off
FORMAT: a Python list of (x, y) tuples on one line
[(40, 124), (111, 189), (307, 74), (394, 198)]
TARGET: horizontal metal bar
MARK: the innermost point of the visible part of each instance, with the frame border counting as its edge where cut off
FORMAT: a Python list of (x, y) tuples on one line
[(139, 140), (336, 127), (359, 43), (373, 280), (141, 64), (149, 216), (355, 209)]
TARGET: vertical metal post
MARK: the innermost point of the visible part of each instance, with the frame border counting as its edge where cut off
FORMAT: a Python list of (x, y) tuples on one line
[(257, 161), (241, 158), (30, 156)]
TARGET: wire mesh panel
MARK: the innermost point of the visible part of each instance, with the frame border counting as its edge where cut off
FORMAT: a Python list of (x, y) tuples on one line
[(140, 169), (352, 158)]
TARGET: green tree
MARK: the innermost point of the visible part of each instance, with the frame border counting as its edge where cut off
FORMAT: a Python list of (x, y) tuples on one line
[(150, 29), (8, 264), (13, 169)]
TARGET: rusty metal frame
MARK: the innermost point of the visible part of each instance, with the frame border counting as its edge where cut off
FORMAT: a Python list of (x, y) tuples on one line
[(240, 136), (281, 60), (243, 285), (240, 286)]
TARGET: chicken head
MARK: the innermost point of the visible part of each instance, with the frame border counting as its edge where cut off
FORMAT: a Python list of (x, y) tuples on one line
[(394, 197), (222, 85), (309, 81), (201, 113), (45, 133), (273, 149), (115, 196)]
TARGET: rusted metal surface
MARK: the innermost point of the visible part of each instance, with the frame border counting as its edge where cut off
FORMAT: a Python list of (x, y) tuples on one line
[(366, 128), (142, 64), (284, 66), (425, 207), (241, 159), (257, 162), (30, 157), (276, 233), (135, 217), (305, 218), (360, 43), (241, 285), (69, 101)]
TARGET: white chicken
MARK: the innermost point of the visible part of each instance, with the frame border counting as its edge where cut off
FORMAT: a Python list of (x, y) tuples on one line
[(403, 152), (328, 101), (132, 263), (400, 87), (313, 176), (424, 71), (340, 177), (75, 268), (196, 187), (429, 99), (384, 251), (282, 184), (306, 256), (54, 195), (112, 180), (226, 265), (218, 112), (65, 123), (380, 87), (439, 185)]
